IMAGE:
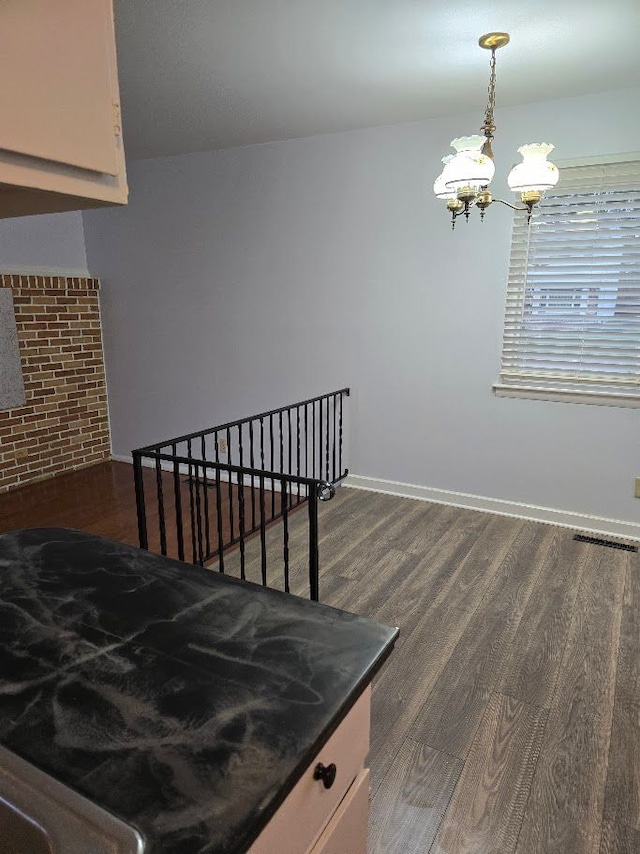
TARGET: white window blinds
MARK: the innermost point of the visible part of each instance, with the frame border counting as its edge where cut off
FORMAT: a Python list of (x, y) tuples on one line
[(572, 320)]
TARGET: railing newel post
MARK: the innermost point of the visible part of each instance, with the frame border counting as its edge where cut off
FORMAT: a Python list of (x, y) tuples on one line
[(314, 558), (140, 506)]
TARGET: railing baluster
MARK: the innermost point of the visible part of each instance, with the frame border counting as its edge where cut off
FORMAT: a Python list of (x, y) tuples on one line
[(196, 540), (285, 534), (289, 446), (198, 514), (262, 444), (281, 452), (160, 497), (177, 496), (298, 450), (253, 487), (240, 484), (271, 468), (192, 508), (313, 545), (241, 525), (205, 495), (326, 477), (341, 470), (240, 447), (231, 531), (216, 457), (316, 441), (263, 534), (262, 450), (220, 549), (306, 440), (320, 421), (333, 443), (140, 503)]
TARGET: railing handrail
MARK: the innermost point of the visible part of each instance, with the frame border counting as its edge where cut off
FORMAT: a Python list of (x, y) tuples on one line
[(244, 470), (199, 433)]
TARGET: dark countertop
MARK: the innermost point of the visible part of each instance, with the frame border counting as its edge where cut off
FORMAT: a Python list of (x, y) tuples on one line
[(185, 702)]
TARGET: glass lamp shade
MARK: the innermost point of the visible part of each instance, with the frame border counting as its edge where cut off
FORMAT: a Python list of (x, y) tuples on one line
[(535, 172), (469, 167), (439, 187)]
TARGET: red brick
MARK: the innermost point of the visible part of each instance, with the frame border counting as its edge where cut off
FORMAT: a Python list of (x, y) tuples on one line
[(64, 424)]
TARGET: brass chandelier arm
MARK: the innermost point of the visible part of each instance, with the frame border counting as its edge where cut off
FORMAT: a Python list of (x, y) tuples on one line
[(528, 206), (464, 208), (509, 205)]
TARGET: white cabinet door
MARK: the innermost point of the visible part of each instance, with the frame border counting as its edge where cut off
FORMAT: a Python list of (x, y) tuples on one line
[(56, 86), (308, 808), (346, 833)]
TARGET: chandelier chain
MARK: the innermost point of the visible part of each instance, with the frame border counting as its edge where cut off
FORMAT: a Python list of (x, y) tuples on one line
[(489, 127)]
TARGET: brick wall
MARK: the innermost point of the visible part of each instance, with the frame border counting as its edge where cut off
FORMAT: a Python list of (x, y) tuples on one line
[(64, 422)]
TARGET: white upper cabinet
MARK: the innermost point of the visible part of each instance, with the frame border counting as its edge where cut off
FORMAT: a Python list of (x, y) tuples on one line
[(60, 135)]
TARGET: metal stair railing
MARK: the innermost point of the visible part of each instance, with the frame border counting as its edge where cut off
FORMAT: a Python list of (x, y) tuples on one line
[(205, 494)]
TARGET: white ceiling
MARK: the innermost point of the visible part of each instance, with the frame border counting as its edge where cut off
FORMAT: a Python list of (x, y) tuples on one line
[(203, 74)]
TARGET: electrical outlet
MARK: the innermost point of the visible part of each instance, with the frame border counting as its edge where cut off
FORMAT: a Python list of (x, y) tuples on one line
[(637, 489), (223, 448)]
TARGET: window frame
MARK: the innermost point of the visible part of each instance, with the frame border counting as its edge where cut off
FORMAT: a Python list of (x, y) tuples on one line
[(546, 387)]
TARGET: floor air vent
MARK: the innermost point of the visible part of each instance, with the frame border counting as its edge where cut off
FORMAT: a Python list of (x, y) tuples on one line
[(610, 544)]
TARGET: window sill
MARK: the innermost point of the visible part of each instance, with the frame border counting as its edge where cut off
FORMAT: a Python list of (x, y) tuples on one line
[(617, 399)]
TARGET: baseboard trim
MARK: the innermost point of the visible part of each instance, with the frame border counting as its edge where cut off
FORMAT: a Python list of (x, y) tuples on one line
[(531, 512)]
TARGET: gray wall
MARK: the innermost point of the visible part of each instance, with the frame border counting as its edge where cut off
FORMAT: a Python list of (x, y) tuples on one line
[(51, 243), (242, 279)]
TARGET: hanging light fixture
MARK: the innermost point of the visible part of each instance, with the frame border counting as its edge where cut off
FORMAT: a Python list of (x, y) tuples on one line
[(465, 178)]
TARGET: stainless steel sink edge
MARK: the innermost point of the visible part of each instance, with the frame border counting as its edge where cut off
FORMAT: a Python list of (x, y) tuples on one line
[(69, 822)]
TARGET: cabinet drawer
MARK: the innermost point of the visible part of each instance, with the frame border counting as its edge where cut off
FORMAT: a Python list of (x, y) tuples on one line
[(309, 806), (346, 833)]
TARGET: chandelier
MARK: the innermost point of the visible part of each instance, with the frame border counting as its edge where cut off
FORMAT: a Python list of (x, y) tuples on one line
[(465, 178)]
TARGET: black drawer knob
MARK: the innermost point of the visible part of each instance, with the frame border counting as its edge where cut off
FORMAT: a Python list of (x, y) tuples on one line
[(326, 773)]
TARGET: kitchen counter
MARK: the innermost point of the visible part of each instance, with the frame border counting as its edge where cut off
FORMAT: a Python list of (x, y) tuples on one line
[(185, 702)]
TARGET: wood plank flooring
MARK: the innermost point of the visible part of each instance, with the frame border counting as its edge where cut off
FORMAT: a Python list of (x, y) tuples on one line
[(507, 721)]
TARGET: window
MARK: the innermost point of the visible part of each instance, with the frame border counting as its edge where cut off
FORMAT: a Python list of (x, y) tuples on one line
[(572, 320)]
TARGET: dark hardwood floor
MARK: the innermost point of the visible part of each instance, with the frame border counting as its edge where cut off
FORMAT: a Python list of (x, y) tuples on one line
[(101, 499), (507, 721)]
